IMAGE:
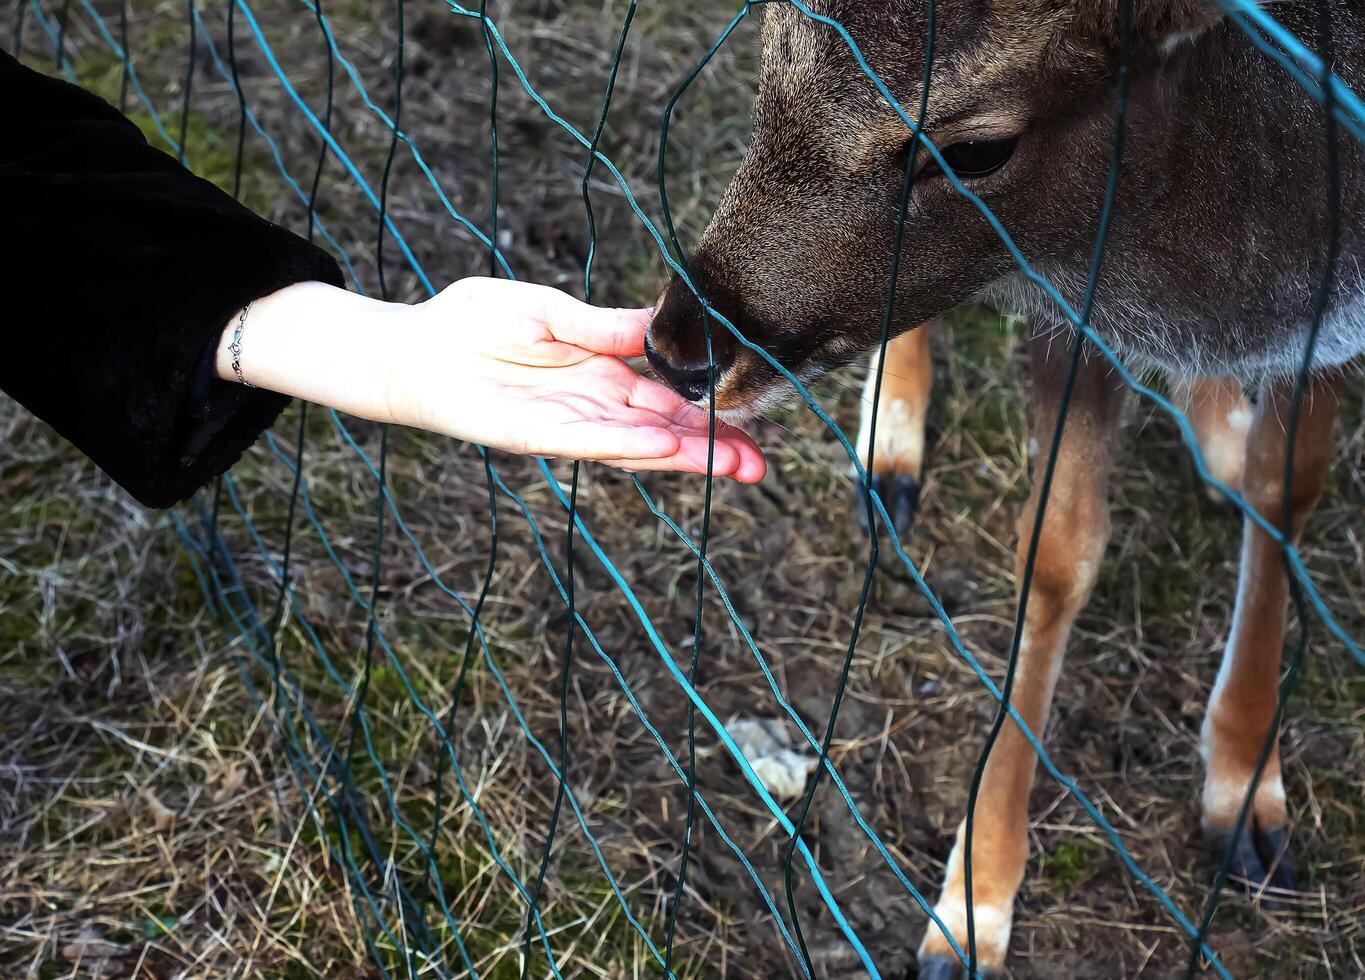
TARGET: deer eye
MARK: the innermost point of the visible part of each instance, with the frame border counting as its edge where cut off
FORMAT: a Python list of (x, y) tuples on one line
[(973, 158)]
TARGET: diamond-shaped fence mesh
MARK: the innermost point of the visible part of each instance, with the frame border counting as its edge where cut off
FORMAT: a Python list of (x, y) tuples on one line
[(384, 646)]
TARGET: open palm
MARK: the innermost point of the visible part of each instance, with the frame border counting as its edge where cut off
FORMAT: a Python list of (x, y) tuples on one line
[(529, 369)]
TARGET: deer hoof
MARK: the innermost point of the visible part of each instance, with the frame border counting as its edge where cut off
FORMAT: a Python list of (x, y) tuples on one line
[(1253, 853), (1276, 855), (900, 494), (949, 968)]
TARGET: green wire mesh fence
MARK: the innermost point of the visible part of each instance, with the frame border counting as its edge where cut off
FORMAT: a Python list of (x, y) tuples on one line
[(334, 665)]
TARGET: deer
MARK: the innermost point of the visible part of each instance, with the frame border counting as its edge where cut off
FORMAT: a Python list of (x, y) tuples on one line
[(1214, 258)]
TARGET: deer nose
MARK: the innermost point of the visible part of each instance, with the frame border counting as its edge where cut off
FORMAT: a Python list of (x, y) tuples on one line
[(690, 380), (677, 345)]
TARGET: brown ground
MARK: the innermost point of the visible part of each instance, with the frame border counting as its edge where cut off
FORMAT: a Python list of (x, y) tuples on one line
[(150, 820)]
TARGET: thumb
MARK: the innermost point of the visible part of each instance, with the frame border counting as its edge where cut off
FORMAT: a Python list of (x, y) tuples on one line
[(620, 333)]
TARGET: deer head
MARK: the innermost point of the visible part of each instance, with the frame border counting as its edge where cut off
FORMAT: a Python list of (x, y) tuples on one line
[(1021, 106)]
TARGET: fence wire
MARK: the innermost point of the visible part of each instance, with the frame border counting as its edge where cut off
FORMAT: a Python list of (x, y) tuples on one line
[(412, 920)]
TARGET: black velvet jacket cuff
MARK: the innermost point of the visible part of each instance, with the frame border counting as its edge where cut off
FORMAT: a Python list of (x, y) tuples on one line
[(121, 271)]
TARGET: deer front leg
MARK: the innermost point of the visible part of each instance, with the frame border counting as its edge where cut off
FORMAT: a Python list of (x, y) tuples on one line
[(1242, 706), (898, 463), (1074, 534), (1220, 416)]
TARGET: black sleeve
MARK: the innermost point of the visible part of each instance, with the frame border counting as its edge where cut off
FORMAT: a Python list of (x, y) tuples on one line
[(120, 271)]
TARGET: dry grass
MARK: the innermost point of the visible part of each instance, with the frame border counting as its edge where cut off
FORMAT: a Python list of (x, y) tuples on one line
[(154, 821)]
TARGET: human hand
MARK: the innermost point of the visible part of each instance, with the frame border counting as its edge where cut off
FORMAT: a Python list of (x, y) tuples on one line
[(504, 364), (529, 369)]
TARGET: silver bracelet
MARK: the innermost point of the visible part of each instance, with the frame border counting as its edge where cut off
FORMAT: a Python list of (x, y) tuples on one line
[(236, 346)]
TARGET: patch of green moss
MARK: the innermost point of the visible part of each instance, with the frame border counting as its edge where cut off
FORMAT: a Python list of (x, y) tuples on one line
[(1067, 866)]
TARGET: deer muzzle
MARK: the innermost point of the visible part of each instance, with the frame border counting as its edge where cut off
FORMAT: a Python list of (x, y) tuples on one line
[(689, 347)]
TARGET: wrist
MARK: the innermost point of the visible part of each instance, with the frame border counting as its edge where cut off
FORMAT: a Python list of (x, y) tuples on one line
[(320, 343), (228, 360)]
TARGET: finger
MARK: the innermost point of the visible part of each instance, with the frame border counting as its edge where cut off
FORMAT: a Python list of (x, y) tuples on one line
[(737, 459), (620, 333), (655, 397), (691, 459), (655, 448), (607, 443), (659, 449), (687, 417), (749, 455), (670, 464), (689, 454), (752, 466), (701, 456)]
